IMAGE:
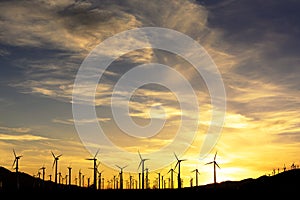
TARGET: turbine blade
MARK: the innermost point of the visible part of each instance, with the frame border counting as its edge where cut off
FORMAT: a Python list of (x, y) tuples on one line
[(97, 165), (209, 163), (96, 153), (14, 153), (59, 156), (140, 164), (53, 164), (176, 165), (14, 163), (215, 155), (176, 156), (53, 154), (217, 165), (118, 166), (140, 155)]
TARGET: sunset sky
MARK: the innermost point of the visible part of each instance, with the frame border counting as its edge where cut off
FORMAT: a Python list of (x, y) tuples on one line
[(254, 44)]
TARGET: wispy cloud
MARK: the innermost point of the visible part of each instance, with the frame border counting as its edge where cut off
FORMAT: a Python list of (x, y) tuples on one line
[(82, 121), (24, 137), (18, 134), (14, 129)]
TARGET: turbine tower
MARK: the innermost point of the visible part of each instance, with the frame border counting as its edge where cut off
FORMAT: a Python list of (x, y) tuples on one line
[(55, 163), (121, 175), (95, 169), (70, 177), (196, 174), (215, 164), (178, 164), (142, 163), (79, 177), (158, 183)]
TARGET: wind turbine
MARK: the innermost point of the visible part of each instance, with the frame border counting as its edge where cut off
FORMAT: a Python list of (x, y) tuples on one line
[(178, 164), (215, 164), (99, 179), (196, 174), (158, 183), (121, 175), (147, 178), (16, 162), (95, 168), (50, 177), (172, 182), (55, 163), (70, 177), (142, 163), (79, 177), (43, 172)]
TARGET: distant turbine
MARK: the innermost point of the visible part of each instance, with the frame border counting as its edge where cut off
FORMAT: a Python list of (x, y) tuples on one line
[(16, 161), (95, 169), (147, 179), (79, 177), (43, 172), (171, 180), (158, 183), (99, 179), (196, 174), (121, 175), (70, 176), (178, 164), (142, 163), (50, 177), (215, 164), (55, 163)]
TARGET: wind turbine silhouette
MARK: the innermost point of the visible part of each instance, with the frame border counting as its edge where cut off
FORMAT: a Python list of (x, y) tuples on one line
[(215, 164), (43, 172), (178, 164), (142, 163), (70, 171), (196, 174), (79, 177), (95, 168), (99, 179), (55, 163), (121, 175), (16, 162), (158, 183), (172, 180)]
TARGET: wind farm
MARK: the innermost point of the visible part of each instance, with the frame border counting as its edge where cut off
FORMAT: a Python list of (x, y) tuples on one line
[(149, 97), (25, 182)]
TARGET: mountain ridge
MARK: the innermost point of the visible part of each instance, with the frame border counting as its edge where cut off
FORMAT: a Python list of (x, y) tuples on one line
[(287, 182)]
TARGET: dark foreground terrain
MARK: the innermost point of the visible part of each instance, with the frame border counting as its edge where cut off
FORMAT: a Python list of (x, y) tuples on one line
[(283, 184)]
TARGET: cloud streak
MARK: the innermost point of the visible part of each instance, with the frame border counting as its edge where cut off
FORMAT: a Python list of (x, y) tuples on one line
[(24, 137)]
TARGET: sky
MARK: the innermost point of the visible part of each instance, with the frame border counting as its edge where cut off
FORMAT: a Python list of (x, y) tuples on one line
[(254, 44)]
